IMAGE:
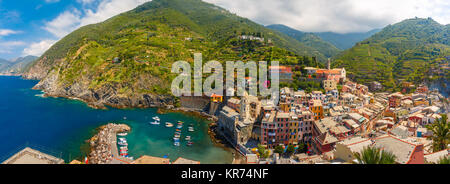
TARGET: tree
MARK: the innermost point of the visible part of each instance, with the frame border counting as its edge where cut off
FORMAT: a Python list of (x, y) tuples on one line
[(444, 160), (279, 149), (290, 149), (441, 133), (263, 152), (301, 148), (373, 155)]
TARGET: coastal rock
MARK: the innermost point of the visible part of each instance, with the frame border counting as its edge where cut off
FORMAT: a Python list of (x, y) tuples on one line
[(106, 95)]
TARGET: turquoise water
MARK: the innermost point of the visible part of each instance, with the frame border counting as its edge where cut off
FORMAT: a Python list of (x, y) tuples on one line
[(61, 127)]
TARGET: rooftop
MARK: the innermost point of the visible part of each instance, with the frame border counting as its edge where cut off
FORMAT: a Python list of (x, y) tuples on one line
[(356, 144), (325, 124), (181, 160), (436, 156), (31, 156), (151, 160), (401, 149)]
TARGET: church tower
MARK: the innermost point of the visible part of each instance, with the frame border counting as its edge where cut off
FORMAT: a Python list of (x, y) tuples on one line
[(329, 64)]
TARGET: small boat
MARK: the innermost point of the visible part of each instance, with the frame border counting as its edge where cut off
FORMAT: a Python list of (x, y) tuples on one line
[(122, 139), (176, 139), (176, 143), (190, 143), (177, 136), (156, 118), (122, 134), (188, 138), (168, 124), (191, 129), (123, 143), (179, 126), (155, 123), (123, 148)]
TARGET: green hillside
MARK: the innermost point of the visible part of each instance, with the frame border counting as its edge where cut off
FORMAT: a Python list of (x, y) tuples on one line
[(147, 40), (308, 39), (406, 51)]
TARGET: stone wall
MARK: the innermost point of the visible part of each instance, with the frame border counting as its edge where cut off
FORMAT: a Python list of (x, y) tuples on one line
[(195, 102)]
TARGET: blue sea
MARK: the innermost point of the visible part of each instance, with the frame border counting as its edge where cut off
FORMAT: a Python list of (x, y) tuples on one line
[(60, 127)]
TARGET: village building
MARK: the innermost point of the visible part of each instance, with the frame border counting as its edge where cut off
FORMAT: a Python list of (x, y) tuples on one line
[(346, 149), (323, 141), (32, 156), (405, 152)]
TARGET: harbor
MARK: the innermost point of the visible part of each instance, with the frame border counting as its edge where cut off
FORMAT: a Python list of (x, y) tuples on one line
[(65, 126), (104, 145)]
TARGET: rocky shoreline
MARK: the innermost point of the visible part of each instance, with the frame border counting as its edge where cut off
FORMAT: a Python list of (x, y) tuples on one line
[(101, 144)]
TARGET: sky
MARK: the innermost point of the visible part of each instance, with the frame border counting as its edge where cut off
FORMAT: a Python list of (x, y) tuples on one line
[(30, 27)]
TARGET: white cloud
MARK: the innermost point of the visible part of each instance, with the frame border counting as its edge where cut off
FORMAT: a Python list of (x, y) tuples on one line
[(38, 48), (8, 46), (51, 1), (336, 15), (85, 1), (6, 32), (70, 20), (65, 23)]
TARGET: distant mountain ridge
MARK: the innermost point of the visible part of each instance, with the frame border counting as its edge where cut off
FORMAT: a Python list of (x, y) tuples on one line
[(345, 41), (327, 43), (15, 66), (309, 39)]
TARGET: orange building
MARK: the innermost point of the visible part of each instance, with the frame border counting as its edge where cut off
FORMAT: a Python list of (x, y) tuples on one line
[(316, 107)]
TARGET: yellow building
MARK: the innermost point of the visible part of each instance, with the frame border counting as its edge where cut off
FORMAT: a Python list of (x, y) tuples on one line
[(329, 85), (317, 109)]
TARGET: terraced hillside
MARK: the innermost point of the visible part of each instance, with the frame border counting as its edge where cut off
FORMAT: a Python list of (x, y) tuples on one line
[(126, 60), (406, 51)]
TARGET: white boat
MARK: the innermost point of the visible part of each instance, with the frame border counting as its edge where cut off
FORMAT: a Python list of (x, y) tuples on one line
[(176, 139), (177, 135), (122, 139), (123, 148), (123, 143), (155, 123), (168, 124), (191, 129), (176, 143), (156, 118), (188, 138), (122, 134)]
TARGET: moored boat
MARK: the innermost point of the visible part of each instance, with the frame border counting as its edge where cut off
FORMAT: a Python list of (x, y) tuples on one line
[(190, 143), (168, 124), (155, 123), (156, 118), (176, 143), (122, 134)]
